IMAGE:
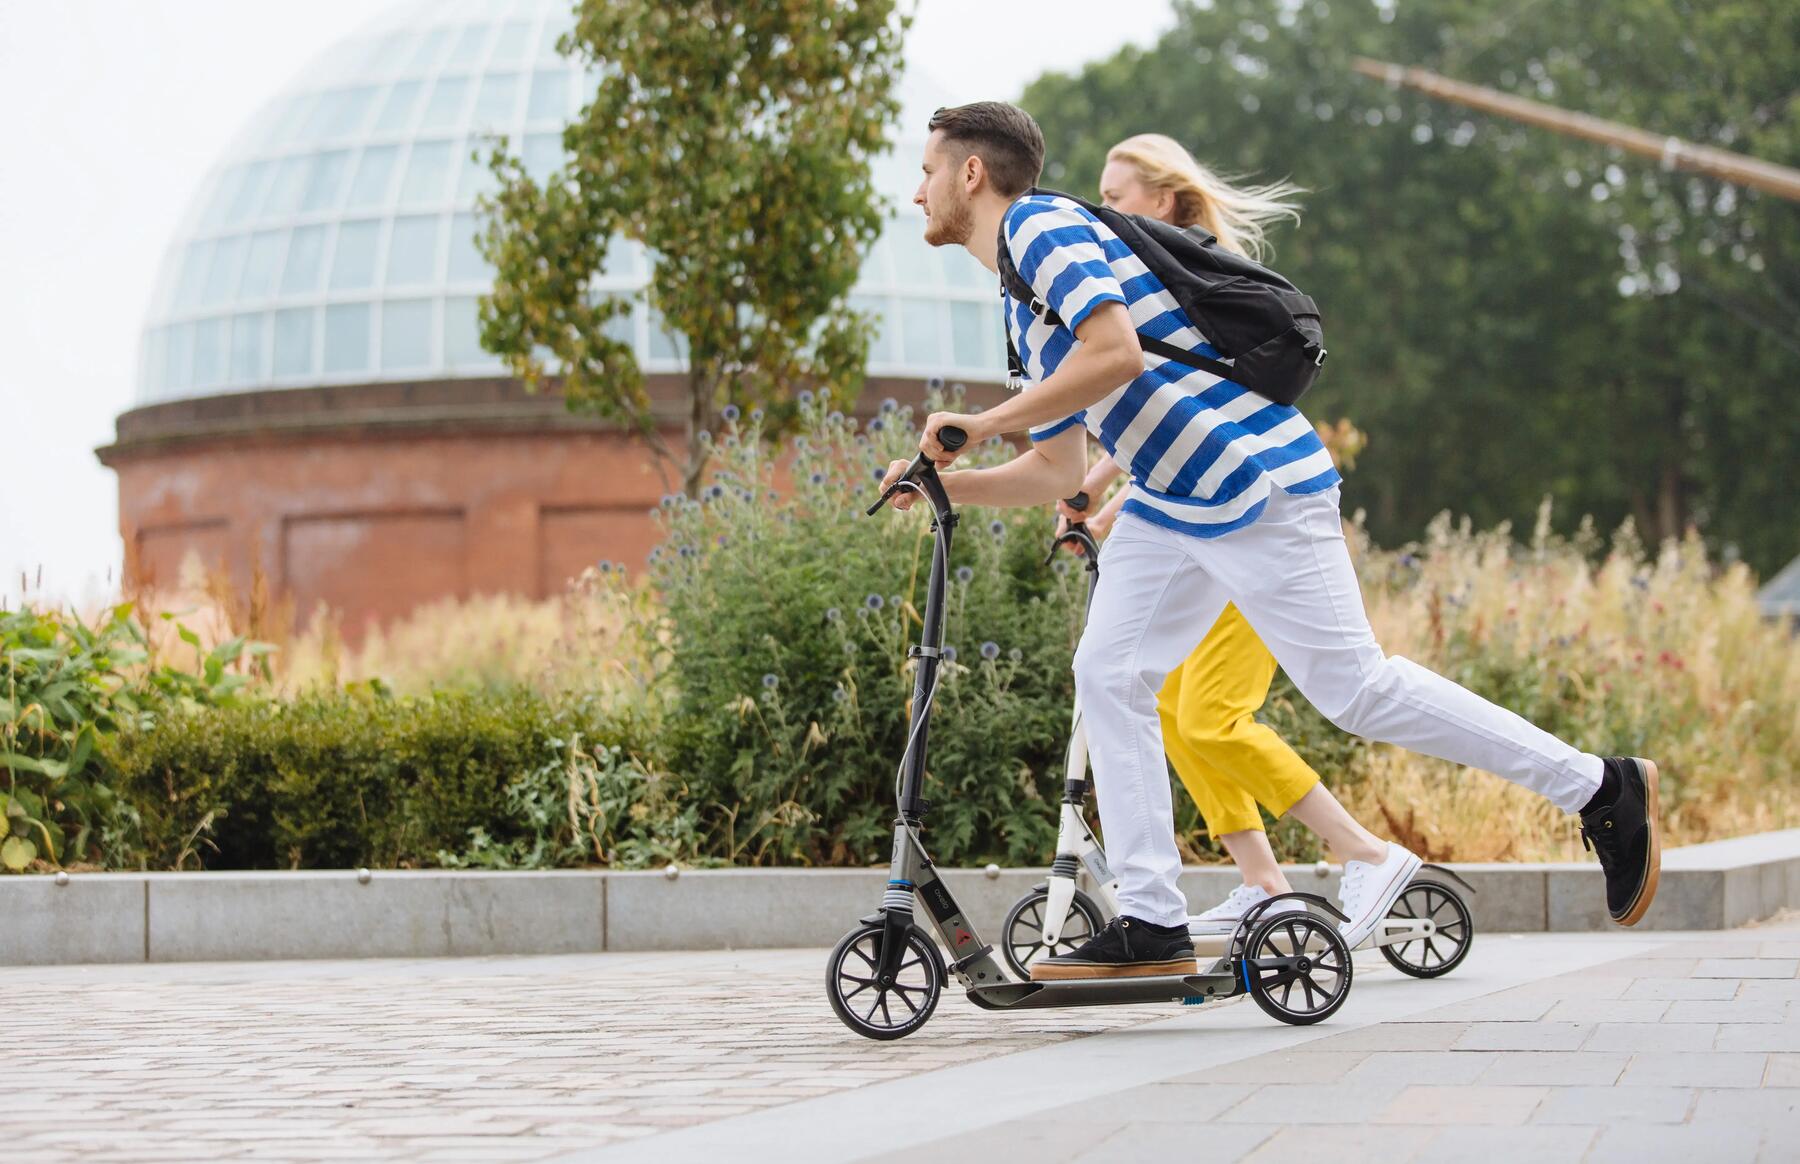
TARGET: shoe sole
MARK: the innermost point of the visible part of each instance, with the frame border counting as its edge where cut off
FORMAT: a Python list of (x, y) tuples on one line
[(1047, 973), (1389, 895), (1653, 874)]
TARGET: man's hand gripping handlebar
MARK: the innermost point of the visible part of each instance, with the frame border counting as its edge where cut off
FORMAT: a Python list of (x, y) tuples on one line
[(920, 476), (1077, 534)]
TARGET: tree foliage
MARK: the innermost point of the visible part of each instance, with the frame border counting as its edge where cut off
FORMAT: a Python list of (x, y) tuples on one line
[(733, 140), (1510, 313)]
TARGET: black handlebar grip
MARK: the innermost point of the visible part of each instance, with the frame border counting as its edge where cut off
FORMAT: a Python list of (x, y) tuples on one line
[(1079, 502), (952, 438)]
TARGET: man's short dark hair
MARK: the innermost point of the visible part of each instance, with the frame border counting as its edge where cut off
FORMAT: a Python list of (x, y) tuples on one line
[(1003, 136)]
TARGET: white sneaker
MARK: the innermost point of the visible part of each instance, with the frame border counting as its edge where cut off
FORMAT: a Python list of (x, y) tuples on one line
[(1370, 890), (1225, 916)]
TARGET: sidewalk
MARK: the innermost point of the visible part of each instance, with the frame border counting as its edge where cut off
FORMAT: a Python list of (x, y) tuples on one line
[(1542, 1047)]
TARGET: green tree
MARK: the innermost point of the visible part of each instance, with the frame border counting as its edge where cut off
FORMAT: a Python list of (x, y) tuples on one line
[(733, 140), (1510, 313)]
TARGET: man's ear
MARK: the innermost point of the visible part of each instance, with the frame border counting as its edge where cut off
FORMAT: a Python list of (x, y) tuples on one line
[(974, 174)]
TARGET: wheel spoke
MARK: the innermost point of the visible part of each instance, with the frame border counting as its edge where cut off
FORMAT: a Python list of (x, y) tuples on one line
[(857, 991), (888, 1017), (909, 1004), (880, 997), (857, 950), (1306, 984), (1435, 952), (855, 979)]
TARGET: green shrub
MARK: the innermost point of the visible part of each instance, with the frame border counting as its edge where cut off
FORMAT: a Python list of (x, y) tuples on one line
[(64, 685), (337, 779)]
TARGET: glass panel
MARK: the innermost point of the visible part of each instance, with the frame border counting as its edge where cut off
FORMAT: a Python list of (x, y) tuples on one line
[(326, 186), (448, 99), (883, 349), (878, 265), (294, 341), (178, 360), (347, 337), (554, 26), (664, 346), (427, 172), (622, 259), (318, 121), (466, 263), (262, 266), (477, 178), (515, 39), (975, 334), (386, 54), (222, 271), (543, 154), (964, 270), (401, 104), (922, 334), (193, 275), (212, 338), (430, 47), (413, 251), (351, 112), (462, 335), (497, 101), (250, 193), (247, 349), (471, 45), (374, 176), (915, 260), (283, 131), (406, 333), (224, 193), (305, 261), (155, 366), (353, 259), (549, 95), (288, 185)]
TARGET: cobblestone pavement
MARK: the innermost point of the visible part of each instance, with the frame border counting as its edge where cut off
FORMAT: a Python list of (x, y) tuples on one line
[(1543, 1048), (472, 1059)]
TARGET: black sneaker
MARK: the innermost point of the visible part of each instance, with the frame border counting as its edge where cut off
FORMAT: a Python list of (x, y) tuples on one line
[(1127, 948), (1624, 836)]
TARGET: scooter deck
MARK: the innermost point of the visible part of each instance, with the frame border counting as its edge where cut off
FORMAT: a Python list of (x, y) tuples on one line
[(1216, 983)]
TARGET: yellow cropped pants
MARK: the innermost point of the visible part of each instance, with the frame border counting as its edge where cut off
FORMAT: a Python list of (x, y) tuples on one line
[(1226, 760)]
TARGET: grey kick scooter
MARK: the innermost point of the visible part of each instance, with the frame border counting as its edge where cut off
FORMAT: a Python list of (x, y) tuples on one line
[(885, 977)]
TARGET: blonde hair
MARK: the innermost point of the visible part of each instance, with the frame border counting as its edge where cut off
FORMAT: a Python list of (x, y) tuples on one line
[(1237, 215)]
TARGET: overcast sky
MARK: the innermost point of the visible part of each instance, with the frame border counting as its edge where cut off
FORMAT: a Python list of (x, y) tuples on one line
[(112, 111)]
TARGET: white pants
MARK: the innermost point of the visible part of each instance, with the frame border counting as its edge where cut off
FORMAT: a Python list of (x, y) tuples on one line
[(1290, 575)]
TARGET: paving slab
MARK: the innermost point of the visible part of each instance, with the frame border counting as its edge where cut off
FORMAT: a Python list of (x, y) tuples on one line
[(1547, 1047)]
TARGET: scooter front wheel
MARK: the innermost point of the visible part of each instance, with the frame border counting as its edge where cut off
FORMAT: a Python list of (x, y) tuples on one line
[(877, 1009), (1022, 933), (1297, 967)]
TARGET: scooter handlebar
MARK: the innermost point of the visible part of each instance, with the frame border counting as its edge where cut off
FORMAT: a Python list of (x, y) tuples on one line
[(951, 437)]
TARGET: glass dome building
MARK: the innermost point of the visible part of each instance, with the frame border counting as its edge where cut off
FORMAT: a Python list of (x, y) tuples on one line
[(332, 244), (313, 404)]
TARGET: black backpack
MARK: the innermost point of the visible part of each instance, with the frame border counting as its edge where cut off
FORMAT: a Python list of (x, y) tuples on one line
[(1250, 315)]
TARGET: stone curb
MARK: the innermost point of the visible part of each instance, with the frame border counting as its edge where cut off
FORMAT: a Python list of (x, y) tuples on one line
[(194, 917)]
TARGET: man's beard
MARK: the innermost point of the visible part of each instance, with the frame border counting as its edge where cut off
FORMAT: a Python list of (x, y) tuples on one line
[(950, 226)]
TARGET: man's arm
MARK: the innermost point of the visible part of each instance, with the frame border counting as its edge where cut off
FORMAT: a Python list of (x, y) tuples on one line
[(1049, 469), (1109, 356)]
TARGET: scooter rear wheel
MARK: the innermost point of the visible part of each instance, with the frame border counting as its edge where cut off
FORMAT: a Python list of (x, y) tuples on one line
[(1455, 931), (872, 1008), (1298, 968), (1022, 933)]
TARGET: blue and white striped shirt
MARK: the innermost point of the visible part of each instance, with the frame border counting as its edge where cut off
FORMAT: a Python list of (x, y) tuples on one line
[(1203, 453)]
